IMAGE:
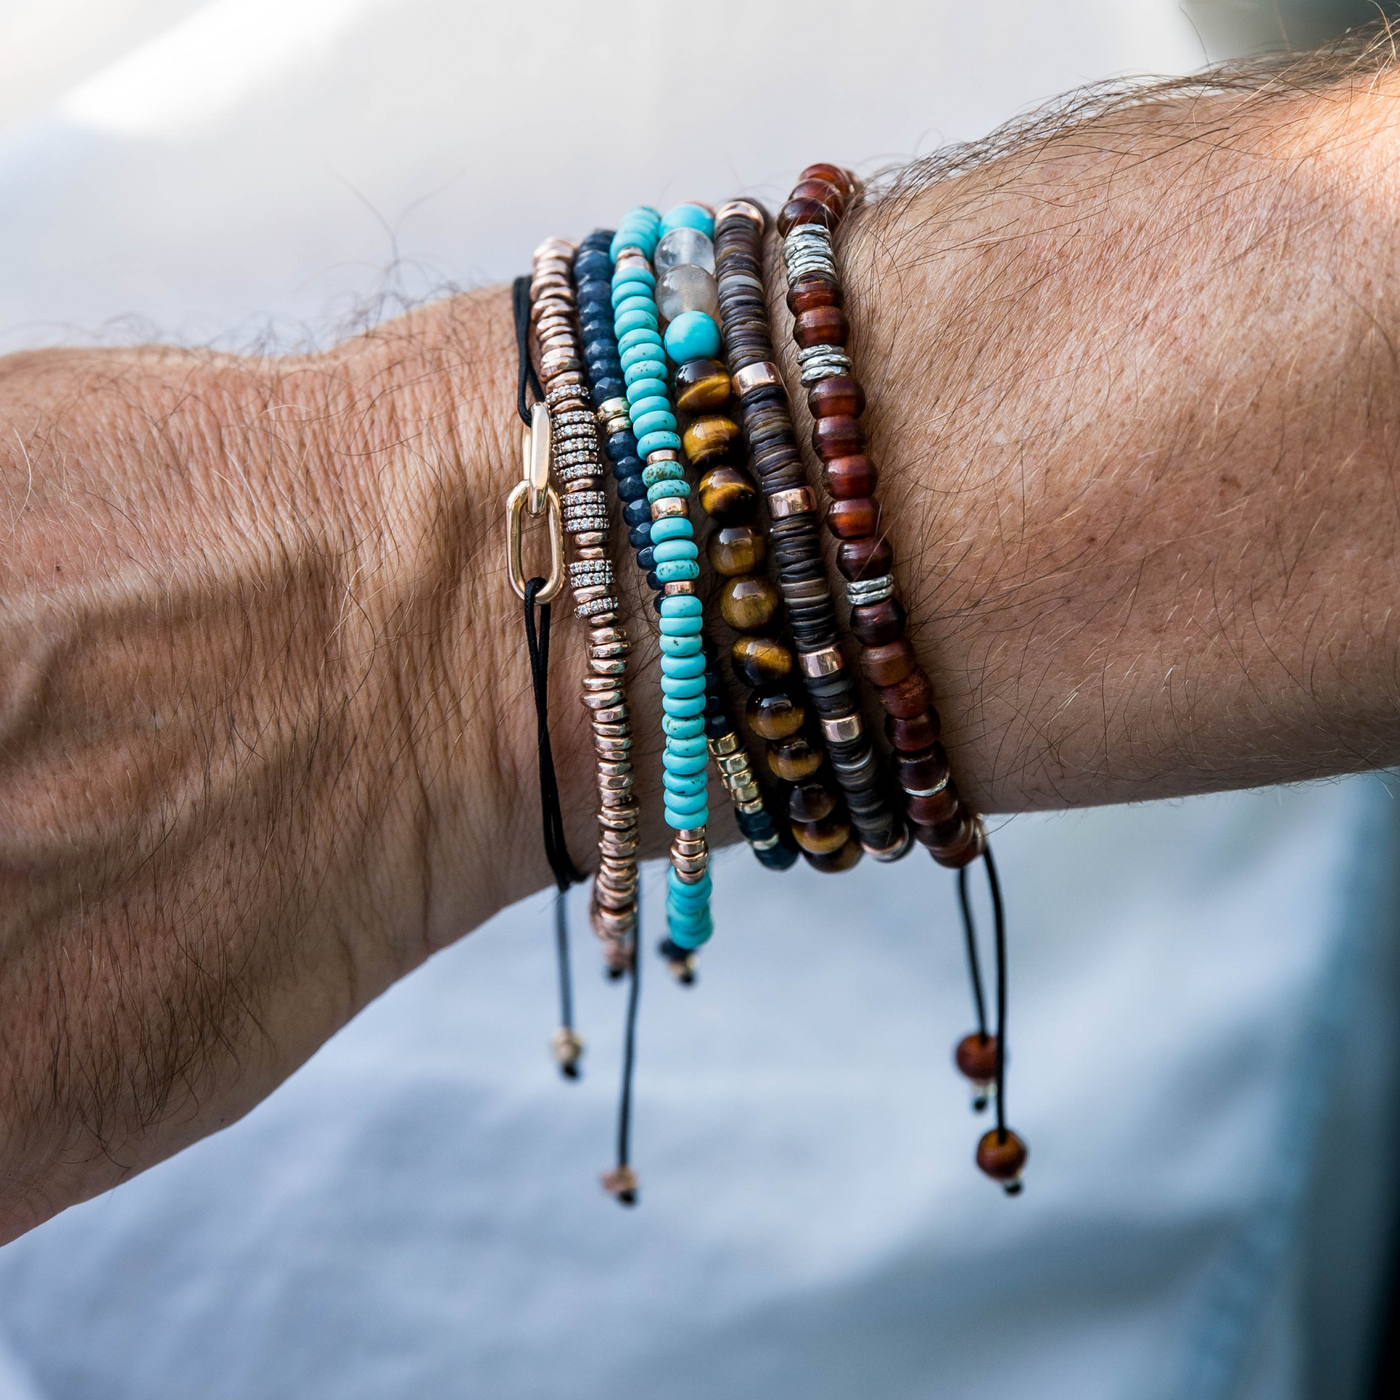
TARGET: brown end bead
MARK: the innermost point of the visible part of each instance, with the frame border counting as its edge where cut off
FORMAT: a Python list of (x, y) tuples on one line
[(853, 520), (701, 386), (849, 477), (848, 856), (761, 660), (907, 698), (865, 558), (804, 211), (930, 815), (965, 847), (727, 496), (824, 192), (812, 291), (709, 437), (823, 325), (837, 437), (810, 803), (840, 396), (748, 602), (794, 760), (836, 175), (913, 733), (878, 624), (888, 664), (1002, 1156), (774, 714), (735, 549), (822, 838), (976, 1057), (920, 772)]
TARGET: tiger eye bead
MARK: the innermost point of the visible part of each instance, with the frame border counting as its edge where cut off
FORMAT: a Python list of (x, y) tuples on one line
[(810, 803), (736, 549), (914, 734), (803, 211), (761, 660), (849, 855), (824, 192), (888, 664), (865, 558), (1002, 1156), (822, 838), (839, 396), (837, 437), (701, 387), (823, 325), (908, 697), (794, 760), (727, 496), (812, 291), (774, 714), (878, 624), (853, 520), (748, 603), (835, 175), (708, 437)]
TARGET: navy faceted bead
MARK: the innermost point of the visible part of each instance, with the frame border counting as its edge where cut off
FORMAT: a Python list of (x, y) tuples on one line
[(639, 536), (634, 512), (632, 488)]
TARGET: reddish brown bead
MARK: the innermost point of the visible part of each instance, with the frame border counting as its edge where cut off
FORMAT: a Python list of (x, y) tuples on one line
[(803, 211), (921, 771), (840, 396), (965, 847), (836, 175), (915, 733), (823, 325), (877, 624), (865, 558), (837, 437), (761, 660), (848, 477), (812, 291), (844, 859), (774, 714), (1002, 1155), (853, 520), (824, 192), (822, 838), (736, 549), (794, 760), (907, 698), (976, 1057), (810, 803), (927, 813), (888, 664), (727, 496)]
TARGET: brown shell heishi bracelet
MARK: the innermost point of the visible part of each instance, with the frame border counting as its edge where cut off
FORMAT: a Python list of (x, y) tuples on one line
[(802, 578), (578, 470)]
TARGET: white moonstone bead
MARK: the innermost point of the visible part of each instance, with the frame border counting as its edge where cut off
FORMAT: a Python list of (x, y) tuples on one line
[(687, 288), (682, 247)]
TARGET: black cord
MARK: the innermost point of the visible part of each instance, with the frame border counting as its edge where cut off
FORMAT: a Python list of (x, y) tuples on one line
[(629, 1057), (999, 914), (520, 297), (974, 963)]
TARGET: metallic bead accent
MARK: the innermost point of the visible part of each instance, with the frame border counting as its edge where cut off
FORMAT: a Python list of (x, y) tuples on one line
[(743, 208), (613, 714), (668, 505), (794, 501), (864, 591), (752, 807), (822, 362), (842, 729), (684, 587), (927, 792), (897, 850), (724, 744), (763, 375), (596, 606), (826, 661)]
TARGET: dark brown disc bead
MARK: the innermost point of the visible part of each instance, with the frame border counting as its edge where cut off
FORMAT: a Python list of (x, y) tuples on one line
[(794, 760), (761, 660), (748, 602), (810, 803), (839, 396), (878, 624), (835, 175), (812, 291), (701, 386), (822, 838), (708, 437), (919, 772), (908, 697), (913, 733), (804, 211), (976, 1057), (837, 437), (928, 813), (736, 549), (824, 192), (865, 558), (727, 496), (849, 855), (774, 714), (964, 848), (823, 325), (849, 477), (853, 520), (888, 664), (1002, 1155)]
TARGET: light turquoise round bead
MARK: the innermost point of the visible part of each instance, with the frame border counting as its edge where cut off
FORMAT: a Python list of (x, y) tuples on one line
[(683, 706), (699, 891), (692, 805), (635, 282), (638, 301), (652, 403), (687, 763), (670, 527), (664, 471), (692, 336), (645, 352), (682, 726), (642, 368), (648, 387), (684, 687), (662, 438), (681, 605), (686, 644), (680, 626), (638, 318), (689, 216), (674, 570), (680, 821), (656, 420), (684, 938), (666, 488), (643, 335), (683, 665), (635, 235), (689, 749), (670, 550), (682, 784)]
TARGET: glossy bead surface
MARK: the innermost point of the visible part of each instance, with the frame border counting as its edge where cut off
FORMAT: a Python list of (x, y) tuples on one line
[(774, 714), (761, 660), (856, 519), (871, 557), (748, 603), (823, 325), (908, 697), (794, 760), (915, 733), (810, 292), (835, 175), (822, 838), (932, 811), (837, 397), (803, 211), (811, 802), (687, 288), (694, 216), (735, 549), (684, 247), (976, 1057), (823, 192), (848, 856), (921, 771), (701, 387), (878, 624), (883, 665), (849, 477), (692, 336), (727, 496), (1002, 1155), (708, 437), (837, 437)]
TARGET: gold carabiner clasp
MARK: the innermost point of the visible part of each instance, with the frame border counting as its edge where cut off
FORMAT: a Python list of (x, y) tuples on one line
[(535, 494)]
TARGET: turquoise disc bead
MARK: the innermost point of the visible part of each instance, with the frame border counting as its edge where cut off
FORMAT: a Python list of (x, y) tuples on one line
[(639, 369), (666, 488), (639, 388), (693, 335), (638, 301), (688, 749), (663, 471), (649, 403), (682, 727), (682, 784), (670, 550), (684, 706), (643, 335), (645, 352), (700, 890), (692, 805), (661, 439), (669, 527), (637, 318), (689, 216), (683, 665), (681, 605), (680, 626), (683, 686), (688, 763), (657, 420), (683, 938), (674, 570), (681, 821), (635, 282)]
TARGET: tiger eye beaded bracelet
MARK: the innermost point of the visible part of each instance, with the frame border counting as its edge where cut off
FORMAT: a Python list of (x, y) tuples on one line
[(578, 468)]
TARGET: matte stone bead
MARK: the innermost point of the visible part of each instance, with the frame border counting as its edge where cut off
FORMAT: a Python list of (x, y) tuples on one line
[(849, 855), (883, 665), (930, 812), (774, 714), (835, 175), (693, 335), (689, 215), (804, 211), (920, 771), (701, 386), (748, 603), (823, 325), (908, 697), (761, 660), (837, 437), (865, 558), (837, 397), (727, 496), (878, 624), (1002, 1155), (812, 291), (853, 520), (976, 1057), (645, 388), (822, 838), (735, 549), (709, 437), (914, 734), (811, 802), (794, 760), (687, 288), (667, 551)]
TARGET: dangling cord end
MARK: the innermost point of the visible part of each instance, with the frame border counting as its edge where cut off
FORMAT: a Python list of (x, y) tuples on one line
[(621, 1181), (566, 1043), (975, 1054), (682, 962)]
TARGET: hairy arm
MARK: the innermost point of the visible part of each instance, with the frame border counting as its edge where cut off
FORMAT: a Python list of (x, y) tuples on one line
[(265, 736)]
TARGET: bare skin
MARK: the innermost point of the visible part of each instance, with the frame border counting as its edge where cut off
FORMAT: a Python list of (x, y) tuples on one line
[(265, 737)]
